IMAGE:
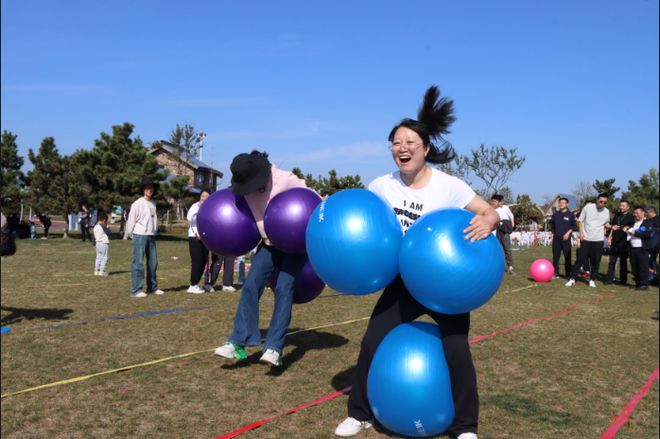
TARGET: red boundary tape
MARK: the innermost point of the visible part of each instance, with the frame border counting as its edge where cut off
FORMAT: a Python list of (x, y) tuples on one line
[(293, 410), (333, 395), (614, 428)]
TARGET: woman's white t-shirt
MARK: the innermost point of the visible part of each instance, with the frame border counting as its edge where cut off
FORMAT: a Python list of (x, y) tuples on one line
[(192, 220), (409, 204)]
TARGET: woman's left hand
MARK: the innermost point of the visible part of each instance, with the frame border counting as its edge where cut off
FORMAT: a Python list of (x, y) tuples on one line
[(479, 228)]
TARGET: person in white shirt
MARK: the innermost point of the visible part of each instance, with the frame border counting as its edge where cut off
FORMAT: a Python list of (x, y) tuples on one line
[(592, 222), (505, 228), (142, 228), (199, 254), (415, 189), (101, 244)]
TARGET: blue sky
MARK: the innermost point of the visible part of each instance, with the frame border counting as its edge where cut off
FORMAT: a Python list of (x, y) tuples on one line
[(572, 84)]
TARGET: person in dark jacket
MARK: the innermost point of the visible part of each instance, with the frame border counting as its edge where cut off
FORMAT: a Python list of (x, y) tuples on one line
[(652, 216), (45, 221), (563, 225), (618, 241), (640, 245)]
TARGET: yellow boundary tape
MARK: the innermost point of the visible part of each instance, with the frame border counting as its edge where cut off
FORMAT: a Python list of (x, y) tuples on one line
[(523, 288), (149, 363)]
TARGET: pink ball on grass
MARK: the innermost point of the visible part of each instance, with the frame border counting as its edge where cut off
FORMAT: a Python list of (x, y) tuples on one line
[(542, 270)]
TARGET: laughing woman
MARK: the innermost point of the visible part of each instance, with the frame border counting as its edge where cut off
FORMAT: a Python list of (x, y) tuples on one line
[(417, 181)]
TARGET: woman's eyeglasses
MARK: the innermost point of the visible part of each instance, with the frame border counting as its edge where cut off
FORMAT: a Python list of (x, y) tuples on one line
[(409, 145)]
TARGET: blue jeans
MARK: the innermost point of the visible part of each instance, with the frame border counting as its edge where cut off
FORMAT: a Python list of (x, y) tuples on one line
[(143, 245), (246, 322)]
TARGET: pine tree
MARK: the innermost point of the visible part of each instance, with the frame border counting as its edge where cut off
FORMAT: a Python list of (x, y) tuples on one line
[(645, 192), (13, 179), (51, 181), (110, 174)]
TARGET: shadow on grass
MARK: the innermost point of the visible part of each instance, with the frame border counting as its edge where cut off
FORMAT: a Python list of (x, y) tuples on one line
[(19, 314), (344, 378), (301, 343), (118, 272), (527, 408)]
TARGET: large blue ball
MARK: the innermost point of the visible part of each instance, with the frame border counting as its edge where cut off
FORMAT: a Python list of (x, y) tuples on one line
[(408, 386), (446, 272), (353, 241)]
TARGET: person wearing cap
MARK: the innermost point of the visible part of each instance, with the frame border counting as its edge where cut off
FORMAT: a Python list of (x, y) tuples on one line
[(142, 228), (255, 178)]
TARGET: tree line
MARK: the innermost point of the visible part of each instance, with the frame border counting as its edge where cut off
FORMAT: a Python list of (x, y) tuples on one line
[(109, 174)]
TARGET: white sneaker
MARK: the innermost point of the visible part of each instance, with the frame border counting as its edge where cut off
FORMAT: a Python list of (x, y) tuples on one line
[(159, 292), (195, 289), (209, 288), (592, 284), (570, 283), (139, 294), (103, 273), (272, 357), (96, 273), (467, 436), (231, 351), (228, 289), (350, 427)]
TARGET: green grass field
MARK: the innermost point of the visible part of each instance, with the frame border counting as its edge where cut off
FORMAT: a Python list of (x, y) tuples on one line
[(566, 375)]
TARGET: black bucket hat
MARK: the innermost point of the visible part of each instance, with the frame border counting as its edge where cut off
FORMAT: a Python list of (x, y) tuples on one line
[(249, 172), (147, 181)]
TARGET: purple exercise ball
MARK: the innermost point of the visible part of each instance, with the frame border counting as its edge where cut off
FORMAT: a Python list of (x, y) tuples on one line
[(226, 225), (286, 218), (307, 286)]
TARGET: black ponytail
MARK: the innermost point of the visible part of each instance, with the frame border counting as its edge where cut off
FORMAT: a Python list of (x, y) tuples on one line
[(435, 116)]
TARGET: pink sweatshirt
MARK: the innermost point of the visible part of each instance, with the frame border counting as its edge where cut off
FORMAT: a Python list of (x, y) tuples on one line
[(280, 182)]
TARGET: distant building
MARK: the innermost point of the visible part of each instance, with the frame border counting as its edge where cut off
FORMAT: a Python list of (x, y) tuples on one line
[(199, 173)]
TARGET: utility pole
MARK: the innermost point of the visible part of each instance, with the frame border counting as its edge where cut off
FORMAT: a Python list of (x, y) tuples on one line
[(200, 142)]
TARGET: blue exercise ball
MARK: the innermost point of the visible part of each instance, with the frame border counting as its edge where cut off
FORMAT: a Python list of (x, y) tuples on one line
[(408, 385), (353, 239), (446, 272)]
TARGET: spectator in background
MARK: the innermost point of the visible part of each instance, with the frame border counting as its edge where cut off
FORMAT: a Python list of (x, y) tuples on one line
[(504, 230), (199, 254), (101, 244), (85, 219), (652, 216), (33, 230), (593, 221), (45, 221), (563, 224), (7, 239), (618, 243), (224, 263), (142, 227), (640, 245)]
